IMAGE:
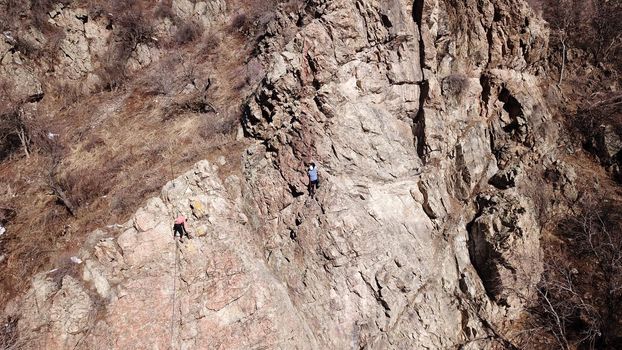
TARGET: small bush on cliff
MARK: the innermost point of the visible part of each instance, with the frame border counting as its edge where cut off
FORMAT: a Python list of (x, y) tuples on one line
[(10, 140), (456, 85), (27, 48), (188, 32), (241, 23), (165, 10), (15, 131)]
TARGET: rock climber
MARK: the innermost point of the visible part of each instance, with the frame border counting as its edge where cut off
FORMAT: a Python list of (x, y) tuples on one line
[(180, 226), (314, 181)]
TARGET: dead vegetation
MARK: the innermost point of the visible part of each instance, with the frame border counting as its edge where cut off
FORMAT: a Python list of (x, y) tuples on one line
[(456, 86), (8, 333), (586, 51), (188, 32), (13, 134), (579, 296)]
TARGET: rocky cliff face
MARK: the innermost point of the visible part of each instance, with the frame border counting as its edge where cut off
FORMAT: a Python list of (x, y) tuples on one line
[(426, 120), (85, 49)]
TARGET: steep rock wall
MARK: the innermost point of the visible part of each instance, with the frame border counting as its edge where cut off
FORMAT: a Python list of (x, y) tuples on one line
[(410, 109)]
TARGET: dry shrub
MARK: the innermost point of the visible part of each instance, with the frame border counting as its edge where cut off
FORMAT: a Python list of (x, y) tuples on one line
[(93, 142), (52, 46), (8, 333), (39, 12), (607, 27), (209, 45), (456, 85), (165, 10), (564, 318), (131, 28), (593, 26), (291, 6), (53, 35), (219, 124), (535, 4), (161, 80), (28, 255), (6, 215), (46, 143), (121, 205), (7, 100), (540, 194), (606, 111), (195, 104), (598, 124), (9, 138), (126, 200), (15, 132), (96, 11), (134, 29), (10, 10), (112, 74), (588, 32), (35, 12), (246, 76), (20, 132), (188, 32), (252, 21), (64, 93), (82, 186), (240, 23), (16, 16), (69, 93), (28, 48)]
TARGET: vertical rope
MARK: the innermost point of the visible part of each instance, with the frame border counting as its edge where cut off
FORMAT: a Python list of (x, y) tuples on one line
[(174, 291)]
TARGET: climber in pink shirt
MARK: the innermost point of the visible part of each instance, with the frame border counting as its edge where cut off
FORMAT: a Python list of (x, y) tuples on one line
[(180, 226)]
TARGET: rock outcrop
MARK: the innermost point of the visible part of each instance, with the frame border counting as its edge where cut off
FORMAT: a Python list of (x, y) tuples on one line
[(505, 248), (138, 288), (204, 12), (422, 117), (84, 43), (21, 78)]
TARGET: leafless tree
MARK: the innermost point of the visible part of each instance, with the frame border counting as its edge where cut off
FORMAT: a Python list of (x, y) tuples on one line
[(593, 26), (580, 293), (563, 23), (14, 130)]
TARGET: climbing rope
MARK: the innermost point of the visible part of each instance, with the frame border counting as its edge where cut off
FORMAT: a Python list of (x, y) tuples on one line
[(174, 291)]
